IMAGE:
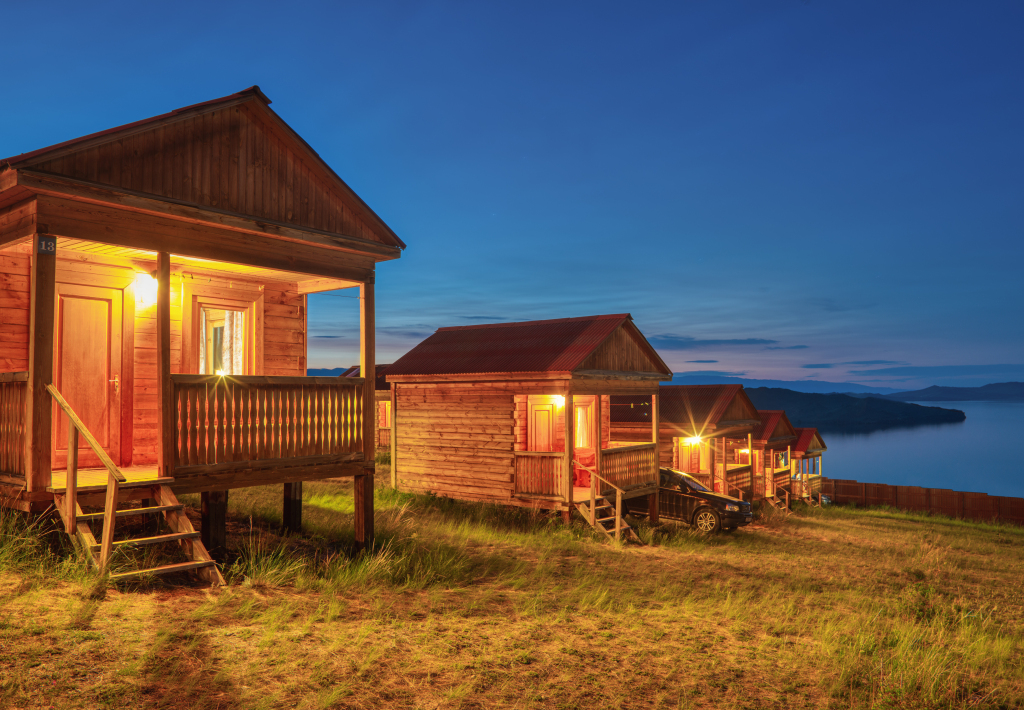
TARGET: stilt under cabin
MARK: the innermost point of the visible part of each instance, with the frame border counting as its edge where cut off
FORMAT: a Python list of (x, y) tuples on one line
[(153, 339)]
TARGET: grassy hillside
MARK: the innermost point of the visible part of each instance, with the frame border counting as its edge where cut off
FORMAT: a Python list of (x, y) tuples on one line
[(470, 606)]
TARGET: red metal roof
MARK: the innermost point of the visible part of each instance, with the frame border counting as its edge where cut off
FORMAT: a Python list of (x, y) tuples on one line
[(805, 439), (774, 425), (559, 345), (380, 384), (695, 408)]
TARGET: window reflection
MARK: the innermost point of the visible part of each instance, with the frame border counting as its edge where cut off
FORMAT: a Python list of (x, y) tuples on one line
[(222, 345)]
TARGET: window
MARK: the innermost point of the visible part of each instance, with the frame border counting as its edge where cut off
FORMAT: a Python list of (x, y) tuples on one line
[(222, 347), (584, 431)]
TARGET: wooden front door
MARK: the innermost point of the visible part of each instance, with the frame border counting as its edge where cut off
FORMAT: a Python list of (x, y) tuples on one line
[(87, 369), (541, 427)]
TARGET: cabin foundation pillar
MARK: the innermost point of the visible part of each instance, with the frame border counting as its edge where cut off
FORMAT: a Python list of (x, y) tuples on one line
[(213, 530), (652, 508), (38, 405), (292, 514), (363, 493)]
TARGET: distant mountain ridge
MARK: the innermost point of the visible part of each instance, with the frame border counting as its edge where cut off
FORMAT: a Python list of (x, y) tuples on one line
[(997, 392), (841, 413), (696, 378)]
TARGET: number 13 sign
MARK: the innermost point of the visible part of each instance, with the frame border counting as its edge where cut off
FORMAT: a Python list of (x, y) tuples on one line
[(46, 245)]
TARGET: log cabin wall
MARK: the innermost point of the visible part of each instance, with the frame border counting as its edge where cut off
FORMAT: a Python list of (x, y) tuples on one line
[(455, 439), (284, 333), (14, 318)]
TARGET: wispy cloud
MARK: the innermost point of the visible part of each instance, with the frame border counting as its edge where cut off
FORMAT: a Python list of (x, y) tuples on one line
[(714, 373), (818, 366), (1009, 371), (787, 347), (702, 361), (873, 362), (491, 318), (684, 342)]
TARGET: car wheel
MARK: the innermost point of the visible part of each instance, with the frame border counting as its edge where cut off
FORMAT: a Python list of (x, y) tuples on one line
[(707, 521)]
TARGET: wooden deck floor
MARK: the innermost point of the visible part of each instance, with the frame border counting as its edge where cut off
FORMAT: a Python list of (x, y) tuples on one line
[(97, 478)]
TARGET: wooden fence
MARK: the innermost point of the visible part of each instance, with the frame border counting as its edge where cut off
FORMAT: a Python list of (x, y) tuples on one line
[(13, 389), (630, 467), (253, 418), (940, 501), (540, 473)]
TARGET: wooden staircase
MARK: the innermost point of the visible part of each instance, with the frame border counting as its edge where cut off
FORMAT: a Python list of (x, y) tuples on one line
[(182, 535), (119, 490), (604, 518)]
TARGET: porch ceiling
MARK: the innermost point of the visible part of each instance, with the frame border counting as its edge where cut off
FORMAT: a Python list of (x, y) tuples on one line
[(143, 260)]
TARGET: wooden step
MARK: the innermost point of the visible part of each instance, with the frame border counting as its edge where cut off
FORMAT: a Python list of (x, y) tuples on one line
[(148, 483), (155, 540), (129, 512), (165, 569)]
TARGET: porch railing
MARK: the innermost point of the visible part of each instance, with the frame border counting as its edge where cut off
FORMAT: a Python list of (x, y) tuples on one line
[(222, 419), (630, 467), (13, 390), (540, 473)]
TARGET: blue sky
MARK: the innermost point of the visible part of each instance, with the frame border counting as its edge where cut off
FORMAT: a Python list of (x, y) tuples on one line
[(778, 190)]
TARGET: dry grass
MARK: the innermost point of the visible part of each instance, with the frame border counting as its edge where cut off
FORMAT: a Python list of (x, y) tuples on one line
[(466, 606)]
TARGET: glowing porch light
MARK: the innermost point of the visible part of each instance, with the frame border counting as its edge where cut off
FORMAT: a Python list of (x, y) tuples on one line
[(145, 289), (744, 451), (220, 373), (693, 441), (560, 400)]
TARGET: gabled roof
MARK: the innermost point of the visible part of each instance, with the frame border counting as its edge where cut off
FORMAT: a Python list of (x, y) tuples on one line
[(775, 427), (561, 346), (380, 384), (808, 441), (246, 140), (697, 410)]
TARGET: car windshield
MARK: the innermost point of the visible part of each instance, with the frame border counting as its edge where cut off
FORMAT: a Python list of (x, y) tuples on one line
[(692, 483)]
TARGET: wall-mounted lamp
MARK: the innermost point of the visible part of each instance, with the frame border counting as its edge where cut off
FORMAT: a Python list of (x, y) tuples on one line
[(693, 440), (560, 400), (145, 289)]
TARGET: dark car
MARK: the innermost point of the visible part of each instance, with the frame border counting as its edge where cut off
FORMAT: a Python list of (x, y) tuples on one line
[(682, 497)]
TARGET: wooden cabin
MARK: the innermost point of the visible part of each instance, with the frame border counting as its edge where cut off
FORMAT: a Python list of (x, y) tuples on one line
[(153, 323), (382, 404), (807, 453), (704, 431), (518, 413), (772, 442)]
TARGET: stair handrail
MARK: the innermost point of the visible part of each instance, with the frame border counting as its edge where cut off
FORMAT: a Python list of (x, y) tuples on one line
[(593, 498), (114, 478)]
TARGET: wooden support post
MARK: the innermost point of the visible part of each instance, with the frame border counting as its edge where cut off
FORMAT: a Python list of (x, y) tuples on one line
[(71, 486), (367, 367), (213, 532), (597, 452), (38, 406), (165, 400), (292, 512), (570, 447), (109, 516), (363, 490), (394, 435), (750, 461)]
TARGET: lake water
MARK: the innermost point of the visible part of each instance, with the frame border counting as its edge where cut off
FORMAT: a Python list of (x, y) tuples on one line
[(984, 454)]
